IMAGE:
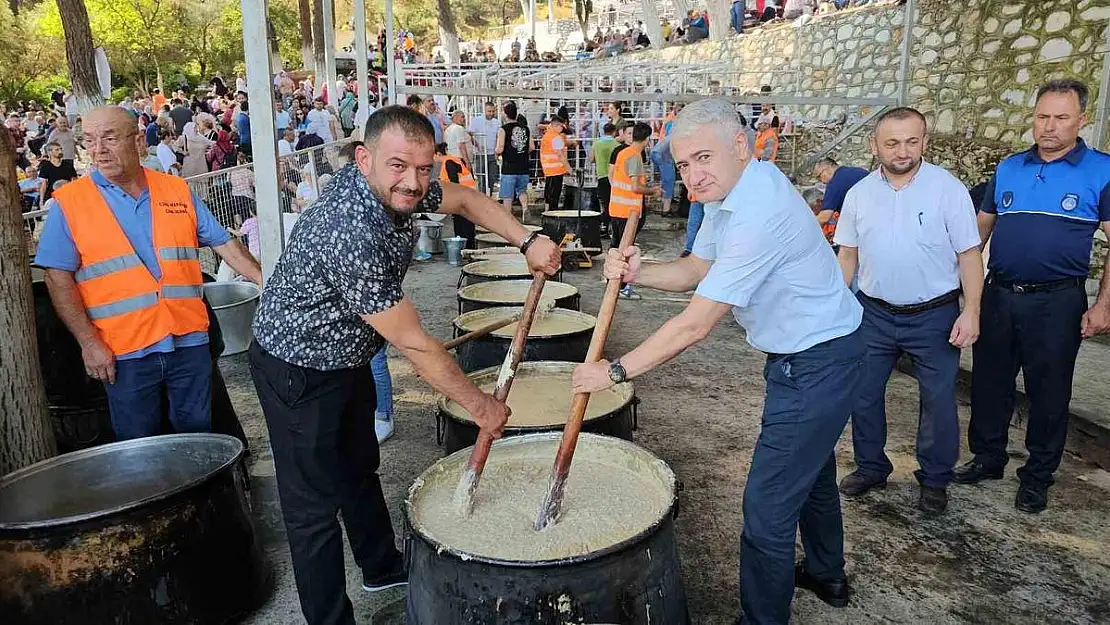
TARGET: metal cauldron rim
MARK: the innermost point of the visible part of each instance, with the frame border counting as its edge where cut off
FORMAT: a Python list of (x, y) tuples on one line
[(474, 268), (256, 292), (503, 284), (19, 474), (667, 516), (509, 310), (441, 402)]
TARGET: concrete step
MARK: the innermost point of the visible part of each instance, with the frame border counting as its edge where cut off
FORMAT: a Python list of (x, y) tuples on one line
[(1089, 423)]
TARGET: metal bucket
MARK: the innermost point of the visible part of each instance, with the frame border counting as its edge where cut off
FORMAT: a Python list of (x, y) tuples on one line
[(151, 530), (234, 304), (454, 247), (429, 241)]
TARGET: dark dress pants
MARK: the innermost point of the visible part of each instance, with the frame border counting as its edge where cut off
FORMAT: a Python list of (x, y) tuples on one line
[(792, 480), (1039, 334), (553, 191), (924, 337), (321, 426)]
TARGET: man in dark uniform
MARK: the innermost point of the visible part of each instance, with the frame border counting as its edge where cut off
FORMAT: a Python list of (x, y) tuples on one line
[(1043, 207)]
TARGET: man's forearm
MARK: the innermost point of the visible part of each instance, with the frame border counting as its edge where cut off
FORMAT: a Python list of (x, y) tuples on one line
[(240, 259), (69, 306), (677, 276), (485, 212), (971, 278), (440, 370), (848, 258)]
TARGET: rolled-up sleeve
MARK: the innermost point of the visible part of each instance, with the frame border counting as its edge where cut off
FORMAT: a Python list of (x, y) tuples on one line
[(745, 257), (846, 232)]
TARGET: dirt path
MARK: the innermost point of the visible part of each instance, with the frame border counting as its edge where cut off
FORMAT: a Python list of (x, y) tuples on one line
[(983, 562)]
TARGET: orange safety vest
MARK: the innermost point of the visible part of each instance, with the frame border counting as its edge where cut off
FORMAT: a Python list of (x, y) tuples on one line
[(131, 309), (761, 141), (623, 199), (466, 179), (550, 159), (668, 118)]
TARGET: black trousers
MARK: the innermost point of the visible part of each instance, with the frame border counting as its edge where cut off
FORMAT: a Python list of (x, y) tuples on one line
[(1037, 333), (553, 191), (465, 228), (321, 427), (604, 192), (616, 232)]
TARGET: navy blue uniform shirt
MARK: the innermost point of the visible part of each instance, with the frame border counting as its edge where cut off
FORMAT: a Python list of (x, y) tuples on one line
[(1047, 213), (843, 179)]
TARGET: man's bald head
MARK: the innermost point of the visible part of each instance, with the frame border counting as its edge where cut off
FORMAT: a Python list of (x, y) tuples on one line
[(114, 144)]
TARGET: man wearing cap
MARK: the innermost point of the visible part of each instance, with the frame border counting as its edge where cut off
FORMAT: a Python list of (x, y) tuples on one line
[(909, 229), (553, 160), (1040, 213)]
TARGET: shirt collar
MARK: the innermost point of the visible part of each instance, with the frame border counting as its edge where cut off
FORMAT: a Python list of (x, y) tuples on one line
[(921, 168), (1074, 157)]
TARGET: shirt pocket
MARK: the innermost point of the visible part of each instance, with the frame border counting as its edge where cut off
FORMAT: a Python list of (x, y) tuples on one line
[(932, 231)]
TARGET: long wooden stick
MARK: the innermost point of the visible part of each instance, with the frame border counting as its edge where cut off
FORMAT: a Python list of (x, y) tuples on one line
[(482, 331), (468, 483), (553, 502)]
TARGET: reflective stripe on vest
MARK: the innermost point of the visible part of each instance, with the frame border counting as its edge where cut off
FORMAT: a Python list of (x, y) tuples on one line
[(129, 307), (123, 306), (550, 159), (624, 199), (466, 179), (105, 267)]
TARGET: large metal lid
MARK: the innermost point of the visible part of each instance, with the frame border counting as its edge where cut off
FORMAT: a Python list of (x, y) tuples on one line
[(498, 267), (564, 214), (554, 323), (513, 291), (110, 479), (541, 395)]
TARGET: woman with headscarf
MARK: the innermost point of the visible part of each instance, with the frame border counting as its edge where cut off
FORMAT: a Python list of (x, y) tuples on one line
[(195, 148), (224, 149)]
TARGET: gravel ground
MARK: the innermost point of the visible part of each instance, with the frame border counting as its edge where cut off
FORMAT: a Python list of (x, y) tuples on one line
[(982, 562)]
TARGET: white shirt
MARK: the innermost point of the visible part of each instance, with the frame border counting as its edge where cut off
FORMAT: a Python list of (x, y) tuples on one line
[(485, 133), (284, 147), (453, 136), (319, 122), (908, 239), (71, 104), (240, 84), (167, 157)]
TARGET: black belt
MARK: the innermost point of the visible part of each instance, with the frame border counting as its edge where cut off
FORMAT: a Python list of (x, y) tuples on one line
[(1037, 287), (913, 309)]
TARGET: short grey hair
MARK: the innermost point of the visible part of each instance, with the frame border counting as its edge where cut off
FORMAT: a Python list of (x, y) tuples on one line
[(717, 113)]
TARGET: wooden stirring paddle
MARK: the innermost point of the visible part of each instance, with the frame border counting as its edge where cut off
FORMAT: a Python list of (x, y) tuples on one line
[(468, 483), (553, 502)]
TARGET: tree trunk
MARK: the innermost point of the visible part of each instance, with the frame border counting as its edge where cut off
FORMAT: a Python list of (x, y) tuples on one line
[(26, 435), (719, 19), (652, 25), (524, 11), (79, 54), (448, 35), (319, 62), (304, 9), (582, 10)]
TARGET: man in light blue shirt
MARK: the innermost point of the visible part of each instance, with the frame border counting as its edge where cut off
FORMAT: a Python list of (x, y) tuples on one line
[(910, 230), (761, 255), (176, 366), (281, 117)]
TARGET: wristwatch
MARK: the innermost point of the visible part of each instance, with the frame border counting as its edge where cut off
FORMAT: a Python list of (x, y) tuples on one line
[(616, 372)]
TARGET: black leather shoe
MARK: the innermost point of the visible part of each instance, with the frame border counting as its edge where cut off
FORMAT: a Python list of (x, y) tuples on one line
[(974, 472), (932, 500), (834, 592), (857, 483), (1031, 499)]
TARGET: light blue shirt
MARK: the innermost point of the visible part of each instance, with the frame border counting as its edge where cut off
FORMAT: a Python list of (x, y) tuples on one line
[(57, 250), (281, 120), (773, 265), (909, 238)]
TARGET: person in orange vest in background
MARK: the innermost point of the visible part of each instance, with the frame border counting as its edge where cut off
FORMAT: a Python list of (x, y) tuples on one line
[(121, 255), (766, 142), (453, 169), (553, 160), (628, 179)]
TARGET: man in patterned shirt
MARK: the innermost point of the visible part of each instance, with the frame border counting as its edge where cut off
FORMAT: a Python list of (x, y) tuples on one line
[(334, 298)]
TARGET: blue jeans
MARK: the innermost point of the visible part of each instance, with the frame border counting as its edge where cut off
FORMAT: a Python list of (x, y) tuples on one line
[(924, 338), (664, 164), (693, 224), (383, 383), (792, 480), (183, 377)]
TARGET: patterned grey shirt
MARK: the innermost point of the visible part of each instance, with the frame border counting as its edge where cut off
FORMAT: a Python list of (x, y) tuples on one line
[(347, 257)]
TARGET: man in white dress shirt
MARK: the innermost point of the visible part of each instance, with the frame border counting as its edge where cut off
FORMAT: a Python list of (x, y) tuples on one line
[(484, 128)]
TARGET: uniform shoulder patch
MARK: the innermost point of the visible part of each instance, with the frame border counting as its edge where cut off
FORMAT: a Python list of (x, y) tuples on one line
[(1007, 199)]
